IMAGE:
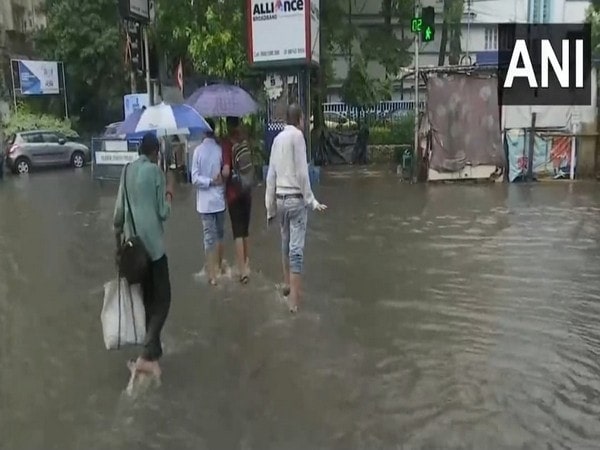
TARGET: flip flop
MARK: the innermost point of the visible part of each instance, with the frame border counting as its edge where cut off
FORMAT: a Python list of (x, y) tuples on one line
[(285, 291), (244, 279), (212, 282)]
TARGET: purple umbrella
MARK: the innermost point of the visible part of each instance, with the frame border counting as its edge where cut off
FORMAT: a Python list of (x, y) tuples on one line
[(222, 100)]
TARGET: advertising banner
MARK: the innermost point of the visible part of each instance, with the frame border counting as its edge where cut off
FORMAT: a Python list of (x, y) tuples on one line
[(115, 158), (294, 22), (133, 102), (38, 77)]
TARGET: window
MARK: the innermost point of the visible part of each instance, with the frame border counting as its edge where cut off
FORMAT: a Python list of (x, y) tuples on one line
[(33, 138), (491, 38), (50, 138)]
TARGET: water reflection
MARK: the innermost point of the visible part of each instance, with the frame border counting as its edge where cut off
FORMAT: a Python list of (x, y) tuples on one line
[(437, 316)]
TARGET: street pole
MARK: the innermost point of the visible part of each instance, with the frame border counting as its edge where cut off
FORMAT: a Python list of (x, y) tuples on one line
[(417, 41), (62, 64), (147, 59), (531, 149)]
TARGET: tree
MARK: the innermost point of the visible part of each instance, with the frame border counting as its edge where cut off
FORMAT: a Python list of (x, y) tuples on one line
[(86, 36), (451, 32), (211, 34), (382, 45), (593, 17)]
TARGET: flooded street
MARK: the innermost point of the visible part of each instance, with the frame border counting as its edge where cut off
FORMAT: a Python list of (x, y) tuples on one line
[(436, 316)]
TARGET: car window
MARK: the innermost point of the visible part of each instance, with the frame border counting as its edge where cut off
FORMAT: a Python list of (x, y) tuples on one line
[(33, 138), (50, 138)]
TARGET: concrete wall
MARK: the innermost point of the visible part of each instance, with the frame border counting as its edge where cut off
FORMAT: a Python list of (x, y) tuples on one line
[(586, 159)]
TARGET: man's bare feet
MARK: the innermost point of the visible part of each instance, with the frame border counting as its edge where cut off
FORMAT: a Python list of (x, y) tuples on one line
[(149, 367), (292, 306)]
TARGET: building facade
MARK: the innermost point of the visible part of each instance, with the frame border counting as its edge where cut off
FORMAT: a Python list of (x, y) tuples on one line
[(479, 31)]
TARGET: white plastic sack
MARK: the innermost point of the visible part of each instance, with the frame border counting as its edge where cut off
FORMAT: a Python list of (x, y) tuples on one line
[(123, 316)]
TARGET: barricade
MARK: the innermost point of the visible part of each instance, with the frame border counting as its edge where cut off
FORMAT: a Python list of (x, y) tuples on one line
[(109, 156)]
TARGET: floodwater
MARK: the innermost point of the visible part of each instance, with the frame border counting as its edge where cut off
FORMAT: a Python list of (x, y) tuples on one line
[(436, 316)]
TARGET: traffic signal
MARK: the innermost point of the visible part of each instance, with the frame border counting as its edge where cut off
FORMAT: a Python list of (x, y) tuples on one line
[(134, 46), (428, 24)]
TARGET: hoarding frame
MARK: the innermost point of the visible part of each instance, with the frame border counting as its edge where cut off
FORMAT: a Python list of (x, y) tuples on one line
[(307, 60), (127, 14), (15, 69)]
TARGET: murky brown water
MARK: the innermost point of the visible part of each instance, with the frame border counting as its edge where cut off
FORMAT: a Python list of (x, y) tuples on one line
[(436, 317)]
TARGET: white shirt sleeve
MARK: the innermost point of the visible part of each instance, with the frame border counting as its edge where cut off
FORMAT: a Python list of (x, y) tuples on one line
[(302, 170)]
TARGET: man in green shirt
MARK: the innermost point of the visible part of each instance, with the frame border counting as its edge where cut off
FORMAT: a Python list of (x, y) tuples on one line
[(150, 194)]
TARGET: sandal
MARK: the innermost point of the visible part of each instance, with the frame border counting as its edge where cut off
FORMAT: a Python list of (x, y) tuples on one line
[(244, 279), (285, 290), (212, 282)]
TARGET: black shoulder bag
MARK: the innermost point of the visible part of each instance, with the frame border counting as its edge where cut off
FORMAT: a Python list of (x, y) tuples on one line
[(134, 260)]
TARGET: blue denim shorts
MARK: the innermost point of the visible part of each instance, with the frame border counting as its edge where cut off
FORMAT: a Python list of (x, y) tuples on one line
[(293, 217), (213, 225)]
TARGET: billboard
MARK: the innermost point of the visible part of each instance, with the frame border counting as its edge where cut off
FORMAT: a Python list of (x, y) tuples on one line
[(133, 102), (38, 77), (137, 10), (294, 24)]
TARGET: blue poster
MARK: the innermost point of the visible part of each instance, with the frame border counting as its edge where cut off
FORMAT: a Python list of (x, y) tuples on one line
[(38, 77), (133, 102)]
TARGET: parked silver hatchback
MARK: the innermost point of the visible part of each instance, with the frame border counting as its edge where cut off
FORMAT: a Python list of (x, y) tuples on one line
[(43, 148)]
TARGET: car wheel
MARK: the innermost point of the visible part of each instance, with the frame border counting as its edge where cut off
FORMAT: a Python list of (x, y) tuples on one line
[(78, 160), (22, 166)]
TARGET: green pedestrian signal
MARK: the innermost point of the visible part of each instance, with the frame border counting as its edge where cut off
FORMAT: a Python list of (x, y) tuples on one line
[(428, 24), (428, 34)]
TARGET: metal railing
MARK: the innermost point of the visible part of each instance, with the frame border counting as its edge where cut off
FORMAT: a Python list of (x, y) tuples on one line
[(382, 110)]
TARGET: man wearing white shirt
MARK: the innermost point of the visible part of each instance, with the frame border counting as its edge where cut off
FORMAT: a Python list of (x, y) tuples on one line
[(289, 195), (210, 199)]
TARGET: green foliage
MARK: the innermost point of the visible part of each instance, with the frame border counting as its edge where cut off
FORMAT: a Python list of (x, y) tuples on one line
[(85, 35), (382, 45), (359, 89), (23, 119), (393, 133), (593, 17), (209, 33)]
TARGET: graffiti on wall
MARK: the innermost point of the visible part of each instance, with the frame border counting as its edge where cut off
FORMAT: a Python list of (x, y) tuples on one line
[(551, 155)]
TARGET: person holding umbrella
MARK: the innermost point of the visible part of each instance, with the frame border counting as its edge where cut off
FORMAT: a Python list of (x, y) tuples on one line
[(232, 102), (239, 197)]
